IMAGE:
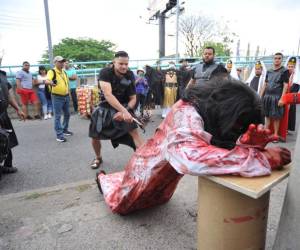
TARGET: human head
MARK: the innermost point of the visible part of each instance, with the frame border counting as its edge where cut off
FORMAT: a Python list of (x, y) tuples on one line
[(67, 64), (227, 107), (258, 68), (172, 65), (140, 72), (229, 66), (208, 55), (278, 59), (109, 65), (184, 63), (42, 70), (26, 66), (120, 62), (59, 62), (291, 64)]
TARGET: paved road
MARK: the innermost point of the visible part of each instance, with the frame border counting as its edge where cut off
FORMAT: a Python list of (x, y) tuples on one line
[(43, 162)]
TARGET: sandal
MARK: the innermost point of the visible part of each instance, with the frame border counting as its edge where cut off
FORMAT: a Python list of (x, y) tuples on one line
[(96, 163), (98, 182)]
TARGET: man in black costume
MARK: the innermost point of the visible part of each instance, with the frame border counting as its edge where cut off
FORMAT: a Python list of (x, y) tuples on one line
[(204, 71), (7, 97), (255, 81), (113, 119)]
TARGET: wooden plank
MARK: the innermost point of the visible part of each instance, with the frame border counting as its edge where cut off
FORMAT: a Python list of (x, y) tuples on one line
[(253, 187)]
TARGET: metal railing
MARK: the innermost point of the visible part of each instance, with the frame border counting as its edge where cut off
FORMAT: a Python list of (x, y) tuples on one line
[(92, 68)]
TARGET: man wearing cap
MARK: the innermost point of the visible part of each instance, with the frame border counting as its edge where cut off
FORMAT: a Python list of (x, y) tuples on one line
[(113, 119), (141, 88), (204, 71), (59, 84)]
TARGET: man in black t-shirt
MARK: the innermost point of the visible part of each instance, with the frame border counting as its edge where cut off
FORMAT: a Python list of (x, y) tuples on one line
[(112, 119), (7, 97)]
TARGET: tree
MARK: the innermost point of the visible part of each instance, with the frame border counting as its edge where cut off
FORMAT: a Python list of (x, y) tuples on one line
[(201, 29), (82, 49)]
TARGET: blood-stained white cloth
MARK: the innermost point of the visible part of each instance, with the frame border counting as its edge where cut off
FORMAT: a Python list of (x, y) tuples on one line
[(179, 146)]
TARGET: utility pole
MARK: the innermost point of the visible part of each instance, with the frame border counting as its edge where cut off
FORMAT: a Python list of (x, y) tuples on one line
[(161, 21), (177, 28), (50, 51)]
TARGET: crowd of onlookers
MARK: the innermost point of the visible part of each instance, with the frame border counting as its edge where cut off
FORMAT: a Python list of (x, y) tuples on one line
[(50, 91)]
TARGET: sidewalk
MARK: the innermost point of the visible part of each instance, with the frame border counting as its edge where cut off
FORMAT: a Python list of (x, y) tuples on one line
[(74, 216)]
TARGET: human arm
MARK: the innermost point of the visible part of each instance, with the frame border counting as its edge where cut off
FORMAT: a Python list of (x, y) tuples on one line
[(13, 102), (189, 151), (113, 101), (49, 80)]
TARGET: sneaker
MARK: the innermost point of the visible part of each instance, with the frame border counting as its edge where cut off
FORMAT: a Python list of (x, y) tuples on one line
[(61, 139), (68, 133), (45, 117), (49, 116)]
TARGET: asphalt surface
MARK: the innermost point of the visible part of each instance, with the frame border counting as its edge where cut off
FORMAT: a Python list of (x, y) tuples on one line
[(44, 162), (61, 207)]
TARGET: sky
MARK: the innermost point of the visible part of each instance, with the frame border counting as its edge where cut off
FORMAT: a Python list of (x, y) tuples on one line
[(274, 25)]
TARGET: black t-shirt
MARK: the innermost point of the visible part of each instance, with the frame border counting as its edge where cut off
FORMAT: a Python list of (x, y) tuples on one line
[(122, 88), (4, 88), (284, 78)]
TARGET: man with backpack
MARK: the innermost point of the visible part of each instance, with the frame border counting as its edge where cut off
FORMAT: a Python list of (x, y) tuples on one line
[(58, 82)]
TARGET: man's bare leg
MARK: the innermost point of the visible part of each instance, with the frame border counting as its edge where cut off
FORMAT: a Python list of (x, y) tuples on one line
[(138, 140), (37, 108), (97, 147), (276, 126), (267, 122), (24, 109)]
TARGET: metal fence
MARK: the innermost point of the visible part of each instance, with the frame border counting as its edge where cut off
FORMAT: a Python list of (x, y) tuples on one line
[(92, 68)]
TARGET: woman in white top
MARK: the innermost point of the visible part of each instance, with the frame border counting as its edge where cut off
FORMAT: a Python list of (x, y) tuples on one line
[(41, 78)]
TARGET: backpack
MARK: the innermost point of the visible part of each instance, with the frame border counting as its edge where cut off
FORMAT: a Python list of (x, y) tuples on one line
[(53, 79)]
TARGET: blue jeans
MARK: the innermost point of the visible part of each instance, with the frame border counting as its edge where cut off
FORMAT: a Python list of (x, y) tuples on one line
[(61, 105), (43, 100)]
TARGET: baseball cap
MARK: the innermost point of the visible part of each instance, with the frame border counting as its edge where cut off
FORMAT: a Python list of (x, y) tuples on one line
[(59, 59)]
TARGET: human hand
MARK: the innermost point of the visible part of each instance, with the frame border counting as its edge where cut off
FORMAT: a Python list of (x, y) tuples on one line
[(127, 117), (118, 116), (277, 157), (21, 115), (280, 102), (258, 136)]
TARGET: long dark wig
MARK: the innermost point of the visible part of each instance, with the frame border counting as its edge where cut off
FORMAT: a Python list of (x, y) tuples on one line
[(227, 107)]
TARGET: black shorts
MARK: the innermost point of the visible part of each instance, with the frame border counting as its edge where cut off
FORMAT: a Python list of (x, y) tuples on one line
[(103, 126)]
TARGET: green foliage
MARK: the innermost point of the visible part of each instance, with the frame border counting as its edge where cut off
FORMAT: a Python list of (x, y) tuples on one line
[(82, 49)]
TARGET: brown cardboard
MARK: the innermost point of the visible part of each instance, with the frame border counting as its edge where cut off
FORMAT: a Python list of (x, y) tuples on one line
[(229, 220)]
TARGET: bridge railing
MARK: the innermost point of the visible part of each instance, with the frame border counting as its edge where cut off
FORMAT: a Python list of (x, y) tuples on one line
[(92, 68)]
